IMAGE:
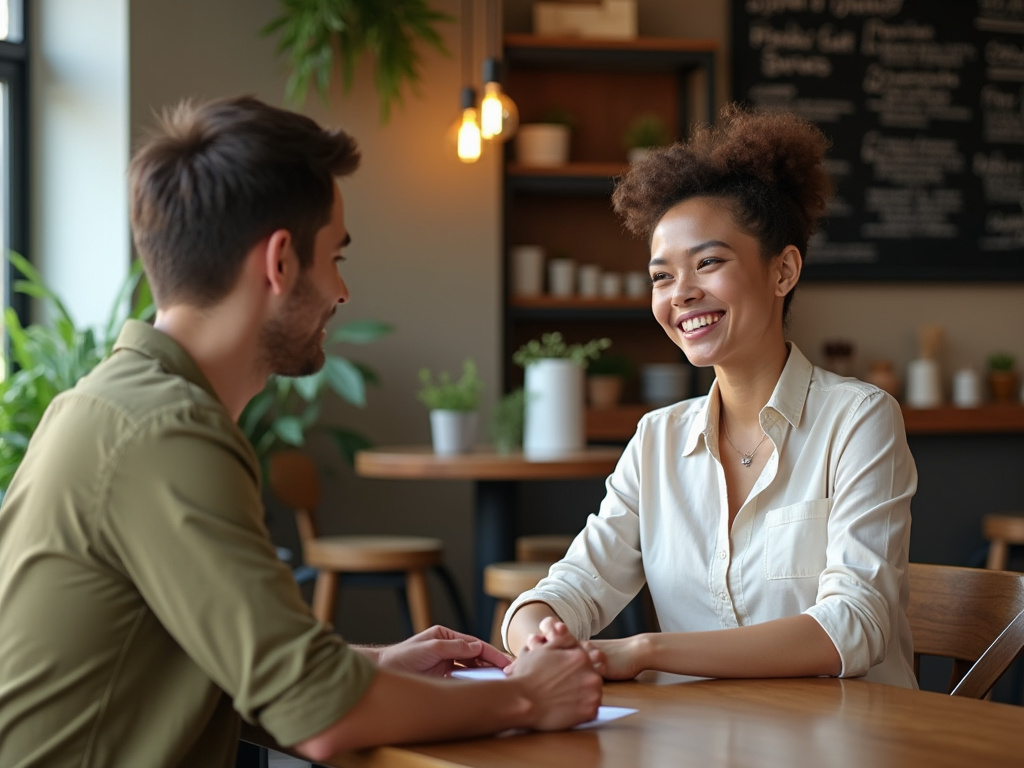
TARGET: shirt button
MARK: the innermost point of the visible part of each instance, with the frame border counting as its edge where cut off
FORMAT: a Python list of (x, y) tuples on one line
[(724, 596), (722, 555)]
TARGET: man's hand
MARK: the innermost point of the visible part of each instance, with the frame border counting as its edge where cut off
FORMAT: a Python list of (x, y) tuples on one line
[(435, 651), (560, 682)]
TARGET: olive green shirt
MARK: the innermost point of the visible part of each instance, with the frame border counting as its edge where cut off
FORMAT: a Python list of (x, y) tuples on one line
[(142, 607)]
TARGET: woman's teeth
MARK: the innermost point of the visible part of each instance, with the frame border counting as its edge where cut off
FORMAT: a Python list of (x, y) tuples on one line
[(694, 323)]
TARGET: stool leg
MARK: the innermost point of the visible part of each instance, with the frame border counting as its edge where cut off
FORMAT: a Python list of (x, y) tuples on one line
[(997, 553), (419, 599), (500, 606), (325, 591)]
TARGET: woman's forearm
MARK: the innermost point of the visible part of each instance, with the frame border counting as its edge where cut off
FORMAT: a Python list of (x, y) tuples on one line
[(525, 622), (796, 646)]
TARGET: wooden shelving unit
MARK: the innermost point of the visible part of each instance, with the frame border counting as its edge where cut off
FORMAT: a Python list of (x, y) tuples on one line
[(618, 424), (604, 85)]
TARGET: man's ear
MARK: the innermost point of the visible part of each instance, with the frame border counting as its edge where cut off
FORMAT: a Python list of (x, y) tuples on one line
[(788, 270), (281, 263)]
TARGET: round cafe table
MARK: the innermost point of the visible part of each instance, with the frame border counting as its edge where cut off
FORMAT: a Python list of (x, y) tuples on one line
[(496, 478)]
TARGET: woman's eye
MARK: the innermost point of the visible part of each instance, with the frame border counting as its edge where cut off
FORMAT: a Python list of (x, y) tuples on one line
[(657, 277), (707, 262)]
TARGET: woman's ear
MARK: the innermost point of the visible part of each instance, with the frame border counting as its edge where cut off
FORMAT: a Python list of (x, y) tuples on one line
[(280, 262), (788, 270)]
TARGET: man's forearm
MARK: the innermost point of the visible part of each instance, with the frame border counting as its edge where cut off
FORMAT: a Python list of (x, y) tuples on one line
[(401, 708), (372, 652)]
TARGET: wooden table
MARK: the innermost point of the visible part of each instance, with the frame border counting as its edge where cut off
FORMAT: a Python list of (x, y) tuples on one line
[(798, 723), (496, 477)]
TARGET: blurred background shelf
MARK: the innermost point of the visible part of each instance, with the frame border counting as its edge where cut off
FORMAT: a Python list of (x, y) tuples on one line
[(619, 424)]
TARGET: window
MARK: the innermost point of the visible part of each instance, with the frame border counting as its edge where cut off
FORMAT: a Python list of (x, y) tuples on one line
[(13, 143)]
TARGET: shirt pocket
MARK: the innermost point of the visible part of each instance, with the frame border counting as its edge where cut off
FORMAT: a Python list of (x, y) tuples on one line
[(796, 540)]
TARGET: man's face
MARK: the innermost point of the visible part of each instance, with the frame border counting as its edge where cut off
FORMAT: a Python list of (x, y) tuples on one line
[(293, 340)]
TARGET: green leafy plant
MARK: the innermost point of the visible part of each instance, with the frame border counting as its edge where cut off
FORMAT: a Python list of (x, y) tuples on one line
[(1001, 361), (313, 32), (448, 394), (51, 358), (288, 409), (507, 421), (610, 365), (646, 130), (551, 345)]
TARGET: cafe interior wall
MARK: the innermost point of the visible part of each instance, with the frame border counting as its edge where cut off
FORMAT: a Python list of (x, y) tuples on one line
[(425, 257)]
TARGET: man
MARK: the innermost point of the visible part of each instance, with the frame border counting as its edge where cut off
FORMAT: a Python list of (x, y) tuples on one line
[(142, 607)]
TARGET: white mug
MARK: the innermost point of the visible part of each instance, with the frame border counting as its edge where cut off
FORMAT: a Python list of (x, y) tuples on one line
[(611, 285), (527, 270), (561, 277), (638, 285), (589, 280), (966, 388), (924, 386)]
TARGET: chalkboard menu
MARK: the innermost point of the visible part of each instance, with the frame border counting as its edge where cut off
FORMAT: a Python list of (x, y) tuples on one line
[(924, 103)]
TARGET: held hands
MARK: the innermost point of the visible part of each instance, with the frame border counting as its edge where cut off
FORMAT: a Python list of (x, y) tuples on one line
[(559, 677), (435, 651)]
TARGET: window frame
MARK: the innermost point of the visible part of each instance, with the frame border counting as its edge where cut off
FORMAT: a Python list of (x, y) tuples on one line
[(14, 57)]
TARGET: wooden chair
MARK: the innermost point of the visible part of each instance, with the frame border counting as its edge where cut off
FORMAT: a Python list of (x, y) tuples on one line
[(507, 581), (1001, 530), (542, 549), (968, 615), (294, 481)]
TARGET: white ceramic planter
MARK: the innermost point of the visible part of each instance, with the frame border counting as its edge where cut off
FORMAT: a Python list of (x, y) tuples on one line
[(554, 409), (453, 432), (542, 144)]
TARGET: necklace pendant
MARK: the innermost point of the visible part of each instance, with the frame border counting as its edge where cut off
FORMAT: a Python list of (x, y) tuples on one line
[(745, 461)]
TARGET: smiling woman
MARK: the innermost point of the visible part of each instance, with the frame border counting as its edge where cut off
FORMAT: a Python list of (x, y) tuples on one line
[(771, 518)]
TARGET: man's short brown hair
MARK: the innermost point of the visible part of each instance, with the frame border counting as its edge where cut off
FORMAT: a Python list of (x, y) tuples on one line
[(215, 178)]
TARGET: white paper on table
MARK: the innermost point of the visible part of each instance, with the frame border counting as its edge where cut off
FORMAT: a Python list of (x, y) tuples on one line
[(604, 714)]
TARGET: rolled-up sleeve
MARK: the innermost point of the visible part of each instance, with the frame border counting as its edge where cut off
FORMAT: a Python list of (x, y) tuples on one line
[(192, 539), (859, 596), (602, 570)]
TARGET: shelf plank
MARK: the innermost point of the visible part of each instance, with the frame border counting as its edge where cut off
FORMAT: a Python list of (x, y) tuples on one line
[(948, 419), (619, 423), (669, 44)]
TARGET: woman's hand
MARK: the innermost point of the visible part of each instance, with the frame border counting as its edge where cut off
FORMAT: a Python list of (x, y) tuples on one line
[(555, 634), (623, 659)]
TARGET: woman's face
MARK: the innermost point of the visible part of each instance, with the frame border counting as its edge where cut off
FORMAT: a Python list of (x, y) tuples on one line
[(712, 292)]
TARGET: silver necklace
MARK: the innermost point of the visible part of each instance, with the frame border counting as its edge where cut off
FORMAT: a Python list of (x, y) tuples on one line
[(745, 458)]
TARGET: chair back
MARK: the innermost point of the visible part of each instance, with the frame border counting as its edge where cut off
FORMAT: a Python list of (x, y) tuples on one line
[(959, 613), (294, 481)]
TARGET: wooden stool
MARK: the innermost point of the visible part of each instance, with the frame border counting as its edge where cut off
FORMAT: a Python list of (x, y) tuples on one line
[(542, 549), (1002, 530), (505, 582), (293, 479)]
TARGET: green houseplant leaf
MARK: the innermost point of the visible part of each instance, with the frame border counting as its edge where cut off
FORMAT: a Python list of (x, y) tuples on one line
[(311, 32), (52, 358)]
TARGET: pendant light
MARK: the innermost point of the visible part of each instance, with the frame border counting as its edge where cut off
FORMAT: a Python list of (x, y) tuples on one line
[(465, 131), (499, 116)]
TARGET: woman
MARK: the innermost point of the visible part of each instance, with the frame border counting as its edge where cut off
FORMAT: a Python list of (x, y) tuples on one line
[(771, 518)]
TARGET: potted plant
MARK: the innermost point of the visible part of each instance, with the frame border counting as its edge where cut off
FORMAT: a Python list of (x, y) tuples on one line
[(643, 133), (606, 377), (1002, 377), (554, 423), (52, 358), (545, 143), (453, 408), (507, 422), (313, 32)]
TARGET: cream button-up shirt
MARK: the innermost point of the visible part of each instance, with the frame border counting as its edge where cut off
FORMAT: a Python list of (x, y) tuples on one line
[(825, 530)]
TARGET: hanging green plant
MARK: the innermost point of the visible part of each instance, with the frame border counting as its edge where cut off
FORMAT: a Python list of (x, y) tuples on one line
[(313, 31)]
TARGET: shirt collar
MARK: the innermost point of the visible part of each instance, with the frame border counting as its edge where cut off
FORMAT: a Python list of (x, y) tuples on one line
[(146, 340), (787, 400)]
